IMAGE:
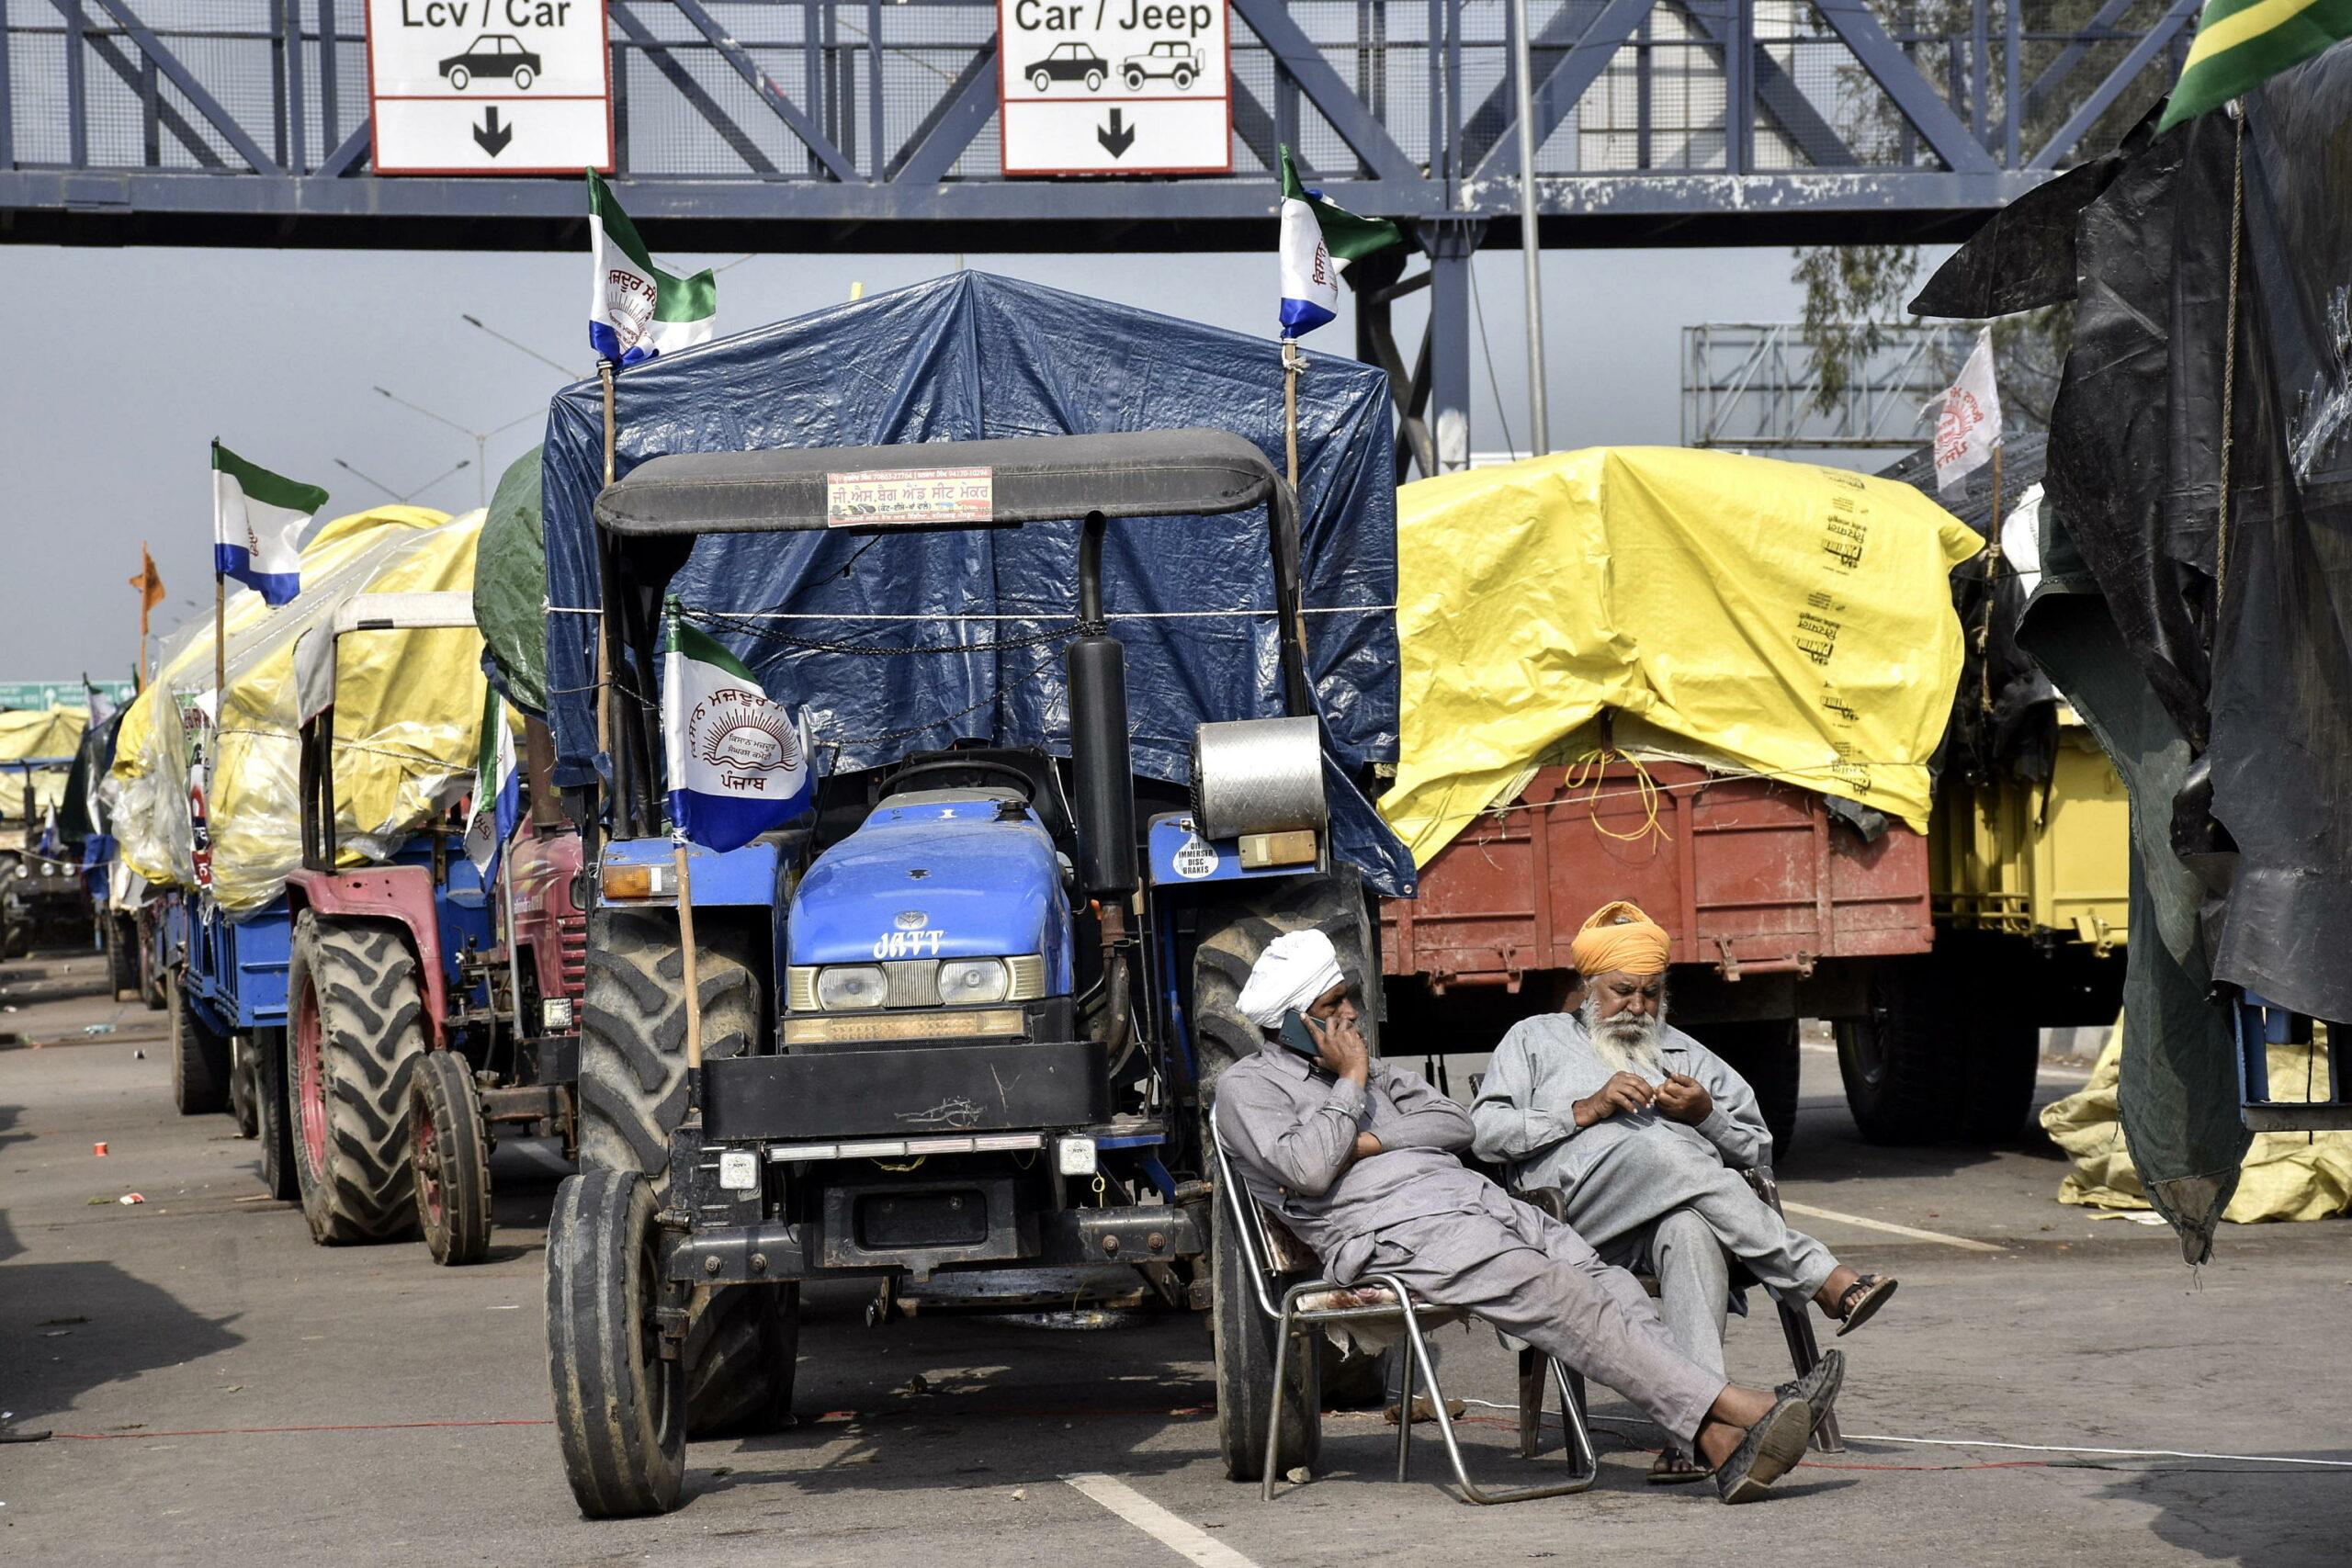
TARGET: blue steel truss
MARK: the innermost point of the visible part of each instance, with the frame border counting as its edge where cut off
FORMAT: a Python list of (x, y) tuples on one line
[(789, 123)]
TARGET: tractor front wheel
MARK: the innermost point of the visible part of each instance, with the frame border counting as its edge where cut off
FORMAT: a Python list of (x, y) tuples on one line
[(449, 1145), (620, 1408), (358, 1032)]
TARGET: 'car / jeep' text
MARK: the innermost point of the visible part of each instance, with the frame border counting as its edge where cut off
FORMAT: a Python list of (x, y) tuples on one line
[(483, 13), (1036, 15)]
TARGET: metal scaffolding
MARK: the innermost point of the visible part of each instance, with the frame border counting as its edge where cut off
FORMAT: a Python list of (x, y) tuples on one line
[(832, 124), (1758, 386)]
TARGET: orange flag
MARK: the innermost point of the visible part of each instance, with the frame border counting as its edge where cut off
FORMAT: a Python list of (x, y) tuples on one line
[(150, 583)]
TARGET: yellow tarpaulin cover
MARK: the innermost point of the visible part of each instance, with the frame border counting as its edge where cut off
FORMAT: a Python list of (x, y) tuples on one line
[(41, 732), (408, 714), (35, 732), (2286, 1176), (1766, 616)]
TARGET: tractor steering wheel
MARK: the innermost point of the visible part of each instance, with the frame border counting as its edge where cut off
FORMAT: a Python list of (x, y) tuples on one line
[(1018, 777)]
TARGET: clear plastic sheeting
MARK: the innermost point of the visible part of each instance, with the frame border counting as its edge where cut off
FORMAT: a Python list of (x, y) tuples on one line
[(1758, 616), (2284, 1176), (407, 712)]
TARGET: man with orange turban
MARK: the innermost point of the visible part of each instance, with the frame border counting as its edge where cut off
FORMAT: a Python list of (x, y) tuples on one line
[(1644, 1130)]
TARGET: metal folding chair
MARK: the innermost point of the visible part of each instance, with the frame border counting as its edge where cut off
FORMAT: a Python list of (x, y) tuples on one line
[(1796, 1328), (1277, 1261)]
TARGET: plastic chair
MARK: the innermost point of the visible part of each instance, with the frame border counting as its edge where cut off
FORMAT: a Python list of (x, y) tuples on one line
[(1277, 1261)]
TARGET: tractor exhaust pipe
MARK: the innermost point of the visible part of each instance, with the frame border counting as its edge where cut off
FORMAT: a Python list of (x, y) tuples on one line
[(1100, 763), (1103, 773)]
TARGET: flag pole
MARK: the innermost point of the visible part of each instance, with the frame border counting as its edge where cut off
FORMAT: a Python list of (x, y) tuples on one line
[(1292, 362), (604, 619), (693, 971), (1992, 577)]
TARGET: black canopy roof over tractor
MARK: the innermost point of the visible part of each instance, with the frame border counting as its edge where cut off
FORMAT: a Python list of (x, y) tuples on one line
[(1147, 473)]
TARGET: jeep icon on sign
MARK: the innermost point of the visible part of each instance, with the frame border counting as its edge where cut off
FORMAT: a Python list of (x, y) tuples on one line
[(1070, 63), (1169, 58), (493, 54)]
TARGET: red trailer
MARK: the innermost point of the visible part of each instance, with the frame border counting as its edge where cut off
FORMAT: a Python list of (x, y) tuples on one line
[(1779, 911)]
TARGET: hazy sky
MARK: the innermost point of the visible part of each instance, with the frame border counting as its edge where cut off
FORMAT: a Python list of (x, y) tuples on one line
[(142, 356)]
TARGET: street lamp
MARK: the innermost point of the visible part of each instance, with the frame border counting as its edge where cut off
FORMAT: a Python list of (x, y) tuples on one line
[(564, 370), (463, 464), (480, 438)]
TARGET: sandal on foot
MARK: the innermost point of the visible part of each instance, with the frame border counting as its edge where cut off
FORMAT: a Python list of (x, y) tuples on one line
[(1819, 1387), (1770, 1450), (1863, 1297), (1675, 1468)]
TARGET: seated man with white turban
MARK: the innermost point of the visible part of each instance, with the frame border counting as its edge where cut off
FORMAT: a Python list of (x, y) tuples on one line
[(1643, 1131), (1358, 1158)]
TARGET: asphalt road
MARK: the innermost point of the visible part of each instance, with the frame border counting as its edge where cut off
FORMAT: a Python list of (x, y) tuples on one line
[(220, 1391)]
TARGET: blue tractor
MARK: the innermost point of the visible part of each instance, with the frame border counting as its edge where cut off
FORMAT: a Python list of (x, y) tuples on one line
[(960, 1021)]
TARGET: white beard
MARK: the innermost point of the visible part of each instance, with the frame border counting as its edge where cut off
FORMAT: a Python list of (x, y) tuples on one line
[(1625, 1043)]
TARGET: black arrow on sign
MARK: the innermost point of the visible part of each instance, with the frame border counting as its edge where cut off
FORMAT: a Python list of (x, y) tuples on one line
[(492, 136), (1116, 136)]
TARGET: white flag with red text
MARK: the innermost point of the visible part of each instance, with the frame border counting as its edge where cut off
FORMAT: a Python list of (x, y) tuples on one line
[(1970, 425)]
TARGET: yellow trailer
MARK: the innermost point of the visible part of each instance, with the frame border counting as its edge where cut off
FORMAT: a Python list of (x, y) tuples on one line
[(2048, 861)]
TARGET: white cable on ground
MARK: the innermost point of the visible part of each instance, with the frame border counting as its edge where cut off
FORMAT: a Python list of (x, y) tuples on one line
[(2021, 1447), (2125, 1453)]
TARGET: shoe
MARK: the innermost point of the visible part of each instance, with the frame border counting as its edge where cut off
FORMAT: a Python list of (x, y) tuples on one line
[(1770, 1450), (1818, 1387)]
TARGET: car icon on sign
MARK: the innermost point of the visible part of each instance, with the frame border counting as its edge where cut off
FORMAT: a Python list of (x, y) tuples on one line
[(1070, 63), (1171, 59), (493, 54)]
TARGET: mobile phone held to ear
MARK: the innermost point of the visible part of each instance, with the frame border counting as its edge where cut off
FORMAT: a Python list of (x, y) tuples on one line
[(1299, 1038)]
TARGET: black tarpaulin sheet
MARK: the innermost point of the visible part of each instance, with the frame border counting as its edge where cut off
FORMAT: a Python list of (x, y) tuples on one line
[(2236, 623), (907, 642)]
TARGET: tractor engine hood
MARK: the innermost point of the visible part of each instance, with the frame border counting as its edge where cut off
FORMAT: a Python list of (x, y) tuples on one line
[(973, 878)]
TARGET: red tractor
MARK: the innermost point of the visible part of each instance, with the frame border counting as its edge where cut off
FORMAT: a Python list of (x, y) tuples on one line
[(423, 1006)]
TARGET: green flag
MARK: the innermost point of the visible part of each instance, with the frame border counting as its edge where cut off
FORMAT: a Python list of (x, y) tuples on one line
[(2243, 43)]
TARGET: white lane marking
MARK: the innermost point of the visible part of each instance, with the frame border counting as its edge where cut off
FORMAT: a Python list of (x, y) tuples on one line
[(1961, 1242), (1187, 1540)]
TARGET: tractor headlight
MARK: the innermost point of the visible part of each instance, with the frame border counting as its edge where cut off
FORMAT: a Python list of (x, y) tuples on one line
[(964, 981), (847, 988)]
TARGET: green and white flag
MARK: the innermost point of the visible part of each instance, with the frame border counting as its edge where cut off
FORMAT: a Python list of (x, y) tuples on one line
[(1319, 238), (257, 522), (739, 763), (636, 310), (2243, 43)]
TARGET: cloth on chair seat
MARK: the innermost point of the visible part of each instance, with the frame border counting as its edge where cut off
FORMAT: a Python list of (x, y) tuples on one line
[(1362, 1337)]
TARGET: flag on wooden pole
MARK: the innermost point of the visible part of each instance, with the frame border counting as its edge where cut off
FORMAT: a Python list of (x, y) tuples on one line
[(1319, 238), (1969, 428), (257, 522)]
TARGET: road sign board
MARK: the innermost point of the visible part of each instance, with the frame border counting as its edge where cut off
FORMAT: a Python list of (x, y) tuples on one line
[(60, 694), (490, 86), (1114, 87)]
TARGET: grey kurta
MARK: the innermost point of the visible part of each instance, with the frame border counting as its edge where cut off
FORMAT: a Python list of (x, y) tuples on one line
[(1627, 1171), (1450, 1235)]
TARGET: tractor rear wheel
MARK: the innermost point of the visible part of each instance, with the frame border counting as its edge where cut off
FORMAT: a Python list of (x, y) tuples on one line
[(358, 1032), (199, 1057), (1766, 1053), (633, 1038), (1243, 1337), (619, 1406), (632, 1097), (1333, 905), (272, 1072), (449, 1147), (740, 1356)]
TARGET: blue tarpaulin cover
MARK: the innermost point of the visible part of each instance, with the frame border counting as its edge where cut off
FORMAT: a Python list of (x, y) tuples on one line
[(907, 642)]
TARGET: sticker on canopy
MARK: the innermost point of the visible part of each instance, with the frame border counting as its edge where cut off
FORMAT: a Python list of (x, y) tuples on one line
[(1194, 858), (890, 498)]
